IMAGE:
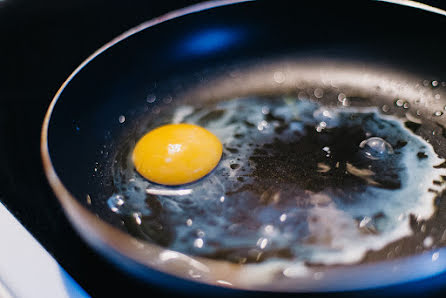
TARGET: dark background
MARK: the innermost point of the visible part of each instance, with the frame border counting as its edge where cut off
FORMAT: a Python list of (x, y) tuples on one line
[(41, 43)]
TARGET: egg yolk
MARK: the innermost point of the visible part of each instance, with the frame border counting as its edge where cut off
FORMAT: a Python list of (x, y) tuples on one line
[(176, 154)]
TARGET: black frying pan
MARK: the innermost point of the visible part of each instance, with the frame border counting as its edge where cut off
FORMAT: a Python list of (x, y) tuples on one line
[(371, 50)]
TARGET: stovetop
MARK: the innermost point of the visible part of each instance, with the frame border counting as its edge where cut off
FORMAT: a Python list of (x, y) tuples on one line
[(41, 42)]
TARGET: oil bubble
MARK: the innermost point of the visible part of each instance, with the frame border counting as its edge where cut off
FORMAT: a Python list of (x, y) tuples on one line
[(279, 77), (435, 256), (115, 203), (326, 118), (376, 148), (151, 98), (318, 92), (399, 102), (428, 241)]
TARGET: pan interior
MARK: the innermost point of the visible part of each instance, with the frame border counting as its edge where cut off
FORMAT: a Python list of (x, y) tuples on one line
[(355, 101)]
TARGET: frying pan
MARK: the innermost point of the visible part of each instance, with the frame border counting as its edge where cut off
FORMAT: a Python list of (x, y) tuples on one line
[(374, 51)]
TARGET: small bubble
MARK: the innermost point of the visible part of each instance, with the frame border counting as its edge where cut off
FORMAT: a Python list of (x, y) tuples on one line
[(279, 77), (326, 149), (189, 222), (425, 83), (399, 102), (428, 241), (115, 202), (385, 108), (341, 97), (222, 199), (167, 99), (137, 217), (283, 217), (262, 242), (438, 113), (262, 125), (318, 92), (376, 148), (265, 110), (302, 95), (121, 119), (321, 126), (198, 243), (156, 110), (435, 256), (326, 118), (434, 83), (151, 98), (406, 105)]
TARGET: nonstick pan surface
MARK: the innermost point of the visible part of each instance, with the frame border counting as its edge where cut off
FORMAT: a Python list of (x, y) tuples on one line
[(361, 47)]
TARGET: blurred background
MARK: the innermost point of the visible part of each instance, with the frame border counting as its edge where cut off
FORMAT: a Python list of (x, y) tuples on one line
[(41, 43)]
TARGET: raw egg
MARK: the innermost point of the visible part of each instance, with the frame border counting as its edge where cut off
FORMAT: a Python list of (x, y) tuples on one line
[(177, 154), (299, 182)]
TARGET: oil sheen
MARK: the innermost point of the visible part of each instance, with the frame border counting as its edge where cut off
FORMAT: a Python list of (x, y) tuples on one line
[(297, 182)]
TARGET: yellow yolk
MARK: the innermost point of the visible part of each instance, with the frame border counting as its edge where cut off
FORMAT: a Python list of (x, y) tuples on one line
[(176, 154)]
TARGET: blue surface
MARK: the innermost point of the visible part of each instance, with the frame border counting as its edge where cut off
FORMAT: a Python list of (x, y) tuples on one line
[(209, 41)]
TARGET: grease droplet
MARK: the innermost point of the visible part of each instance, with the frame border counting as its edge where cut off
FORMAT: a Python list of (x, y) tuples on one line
[(376, 148)]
